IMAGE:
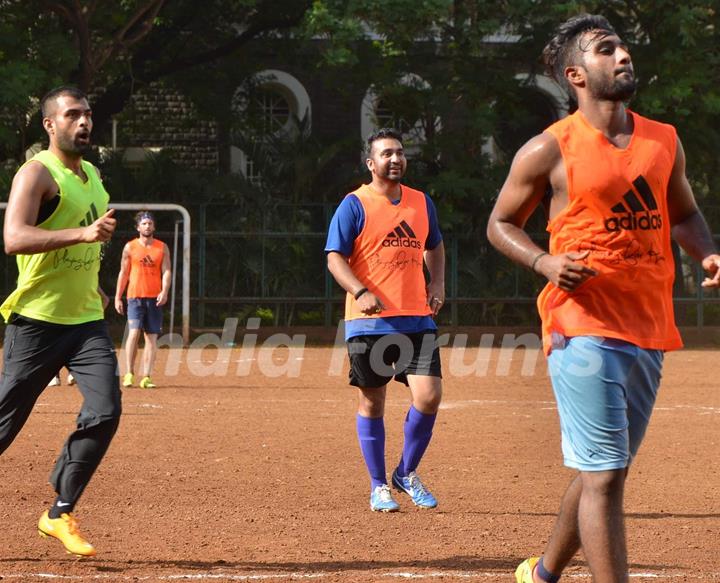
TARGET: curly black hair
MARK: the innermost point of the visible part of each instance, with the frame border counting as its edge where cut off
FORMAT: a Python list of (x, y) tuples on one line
[(564, 47)]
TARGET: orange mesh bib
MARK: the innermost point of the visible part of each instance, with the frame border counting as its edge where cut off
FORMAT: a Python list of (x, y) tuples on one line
[(617, 209), (387, 256), (145, 269)]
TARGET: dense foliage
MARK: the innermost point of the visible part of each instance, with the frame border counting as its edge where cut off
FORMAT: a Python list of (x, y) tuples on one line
[(454, 73), (468, 53)]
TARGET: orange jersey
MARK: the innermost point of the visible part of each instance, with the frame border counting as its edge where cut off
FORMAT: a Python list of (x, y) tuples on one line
[(145, 269), (388, 254), (617, 209)]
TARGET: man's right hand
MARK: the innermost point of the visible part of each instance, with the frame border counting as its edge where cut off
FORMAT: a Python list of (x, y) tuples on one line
[(102, 229), (119, 307), (565, 270), (370, 304)]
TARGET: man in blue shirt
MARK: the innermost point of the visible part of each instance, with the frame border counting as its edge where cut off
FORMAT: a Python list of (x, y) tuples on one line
[(378, 240)]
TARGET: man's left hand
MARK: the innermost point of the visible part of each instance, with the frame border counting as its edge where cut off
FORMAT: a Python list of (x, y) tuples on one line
[(711, 264), (162, 298), (435, 297)]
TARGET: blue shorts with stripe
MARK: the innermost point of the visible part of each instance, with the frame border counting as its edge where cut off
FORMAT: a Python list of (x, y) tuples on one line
[(605, 391), (144, 314)]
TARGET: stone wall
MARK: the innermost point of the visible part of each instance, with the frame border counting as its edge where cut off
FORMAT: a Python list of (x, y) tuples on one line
[(160, 117)]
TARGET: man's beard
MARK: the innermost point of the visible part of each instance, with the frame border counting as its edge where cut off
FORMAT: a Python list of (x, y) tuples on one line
[(617, 90), (68, 145), (395, 177)]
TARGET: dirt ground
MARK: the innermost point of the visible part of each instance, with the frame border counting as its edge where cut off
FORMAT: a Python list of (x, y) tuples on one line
[(234, 477)]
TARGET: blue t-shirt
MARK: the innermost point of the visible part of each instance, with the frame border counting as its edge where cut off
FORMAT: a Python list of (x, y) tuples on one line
[(345, 226)]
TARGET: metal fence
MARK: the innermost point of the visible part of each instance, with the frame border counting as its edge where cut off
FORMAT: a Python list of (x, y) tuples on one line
[(269, 262)]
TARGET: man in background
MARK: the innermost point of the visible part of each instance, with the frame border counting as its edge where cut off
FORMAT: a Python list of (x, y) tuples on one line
[(145, 271)]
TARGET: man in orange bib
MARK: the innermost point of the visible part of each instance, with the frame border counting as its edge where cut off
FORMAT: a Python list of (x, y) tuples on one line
[(378, 240), (145, 270), (618, 192)]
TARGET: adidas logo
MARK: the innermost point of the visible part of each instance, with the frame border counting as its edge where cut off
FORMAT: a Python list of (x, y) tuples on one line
[(147, 261), (638, 212), (91, 216), (402, 236)]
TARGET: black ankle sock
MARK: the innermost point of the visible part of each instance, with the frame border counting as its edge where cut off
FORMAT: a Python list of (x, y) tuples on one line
[(60, 507)]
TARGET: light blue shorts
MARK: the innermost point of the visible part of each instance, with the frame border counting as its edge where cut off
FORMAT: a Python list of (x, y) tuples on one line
[(605, 391)]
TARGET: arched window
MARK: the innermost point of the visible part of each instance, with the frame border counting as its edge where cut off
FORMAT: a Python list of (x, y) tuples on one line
[(267, 106), (537, 104), (401, 107)]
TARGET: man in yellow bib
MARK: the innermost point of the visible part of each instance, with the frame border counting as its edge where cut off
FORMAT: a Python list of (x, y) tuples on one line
[(55, 223)]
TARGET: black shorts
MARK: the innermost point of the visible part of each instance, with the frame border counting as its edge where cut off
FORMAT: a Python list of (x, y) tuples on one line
[(375, 360)]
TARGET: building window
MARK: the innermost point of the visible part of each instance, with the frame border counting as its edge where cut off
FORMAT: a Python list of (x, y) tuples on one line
[(267, 106), (400, 107), (537, 104), (269, 109)]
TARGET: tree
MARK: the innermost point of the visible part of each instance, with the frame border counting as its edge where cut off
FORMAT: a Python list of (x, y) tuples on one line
[(103, 30), (33, 56), (464, 72), (113, 48), (676, 53), (469, 51)]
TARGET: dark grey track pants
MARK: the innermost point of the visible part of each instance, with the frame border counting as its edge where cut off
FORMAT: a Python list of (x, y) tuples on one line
[(33, 353)]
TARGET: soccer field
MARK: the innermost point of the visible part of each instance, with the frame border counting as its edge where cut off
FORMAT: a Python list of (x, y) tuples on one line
[(249, 477)]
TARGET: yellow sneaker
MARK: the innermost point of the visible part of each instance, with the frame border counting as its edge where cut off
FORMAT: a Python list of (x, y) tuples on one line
[(146, 383), (128, 380), (524, 572), (65, 529)]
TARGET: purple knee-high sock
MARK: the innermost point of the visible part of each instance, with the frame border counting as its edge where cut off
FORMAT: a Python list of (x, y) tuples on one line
[(418, 431), (371, 434)]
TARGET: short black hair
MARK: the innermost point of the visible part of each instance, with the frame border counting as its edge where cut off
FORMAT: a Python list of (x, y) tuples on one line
[(143, 214), (57, 92), (381, 134), (563, 47)]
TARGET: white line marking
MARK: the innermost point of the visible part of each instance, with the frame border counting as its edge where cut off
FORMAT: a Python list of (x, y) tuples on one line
[(465, 403), (706, 410), (296, 576), (487, 575)]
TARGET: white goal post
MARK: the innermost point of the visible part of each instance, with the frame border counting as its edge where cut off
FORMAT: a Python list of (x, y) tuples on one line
[(134, 206)]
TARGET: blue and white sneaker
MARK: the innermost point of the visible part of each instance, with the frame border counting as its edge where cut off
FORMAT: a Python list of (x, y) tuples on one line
[(381, 500), (414, 488)]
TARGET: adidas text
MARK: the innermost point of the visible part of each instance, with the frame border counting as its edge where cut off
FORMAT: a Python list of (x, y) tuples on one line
[(646, 222), (414, 243)]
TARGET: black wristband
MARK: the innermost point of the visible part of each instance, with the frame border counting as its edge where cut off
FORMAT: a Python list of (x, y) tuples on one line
[(537, 258), (360, 292)]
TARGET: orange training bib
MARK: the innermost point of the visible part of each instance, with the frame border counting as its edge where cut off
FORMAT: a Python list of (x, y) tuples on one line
[(617, 209), (145, 269), (388, 254)]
